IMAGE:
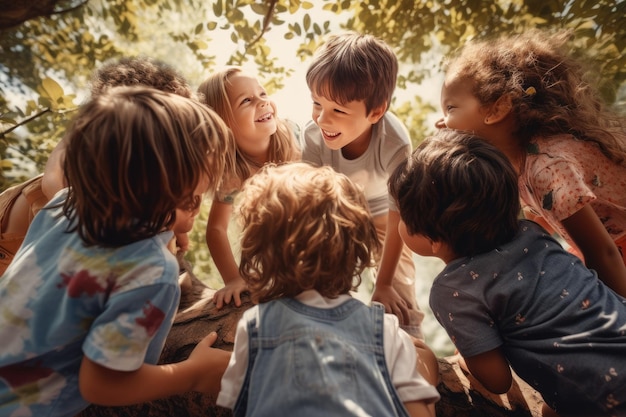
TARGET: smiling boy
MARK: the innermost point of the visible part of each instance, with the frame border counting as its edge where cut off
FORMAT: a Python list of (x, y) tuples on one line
[(352, 79)]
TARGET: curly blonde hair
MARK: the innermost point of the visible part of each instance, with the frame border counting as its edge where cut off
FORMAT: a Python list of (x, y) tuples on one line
[(549, 89), (304, 227), (214, 93)]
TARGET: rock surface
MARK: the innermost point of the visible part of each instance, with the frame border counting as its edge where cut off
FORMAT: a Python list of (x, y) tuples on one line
[(461, 395)]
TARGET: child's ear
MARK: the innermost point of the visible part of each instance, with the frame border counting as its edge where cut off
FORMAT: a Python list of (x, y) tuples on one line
[(377, 113), (499, 110), (435, 247)]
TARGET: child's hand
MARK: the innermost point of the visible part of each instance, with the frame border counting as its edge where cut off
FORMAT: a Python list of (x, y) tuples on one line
[(231, 291), (210, 364), (394, 304)]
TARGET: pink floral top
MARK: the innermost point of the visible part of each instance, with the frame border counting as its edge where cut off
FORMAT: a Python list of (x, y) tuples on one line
[(562, 174)]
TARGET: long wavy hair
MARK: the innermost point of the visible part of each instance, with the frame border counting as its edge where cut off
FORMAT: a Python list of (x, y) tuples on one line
[(304, 227), (283, 146), (550, 90), (134, 155)]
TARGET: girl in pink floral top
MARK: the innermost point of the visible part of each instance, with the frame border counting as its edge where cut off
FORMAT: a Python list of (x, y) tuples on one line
[(526, 95)]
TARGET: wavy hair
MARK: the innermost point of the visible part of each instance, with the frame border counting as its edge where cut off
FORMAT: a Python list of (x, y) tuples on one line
[(304, 228), (128, 71), (135, 154), (214, 93), (550, 90), (460, 190)]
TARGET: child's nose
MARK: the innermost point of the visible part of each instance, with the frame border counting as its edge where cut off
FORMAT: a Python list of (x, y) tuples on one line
[(441, 123)]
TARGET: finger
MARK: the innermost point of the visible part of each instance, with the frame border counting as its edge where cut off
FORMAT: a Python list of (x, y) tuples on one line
[(210, 339), (219, 300), (237, 299)]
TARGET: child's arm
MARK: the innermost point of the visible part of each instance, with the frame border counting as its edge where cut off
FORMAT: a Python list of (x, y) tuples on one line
[(53, 178), (201, 372), (222, 254), (598, 248), (491, 369), (419, 409), (384, 292)]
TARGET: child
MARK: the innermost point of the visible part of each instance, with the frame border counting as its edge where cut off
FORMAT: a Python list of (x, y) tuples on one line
[(352, 79), (309, 348), (529, 98), (88, 301), (261, 137), (510, 294), (20, 203)]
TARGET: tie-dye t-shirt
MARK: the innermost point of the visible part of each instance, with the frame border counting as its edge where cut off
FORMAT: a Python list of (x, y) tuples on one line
[(60, 301), (562, 174)]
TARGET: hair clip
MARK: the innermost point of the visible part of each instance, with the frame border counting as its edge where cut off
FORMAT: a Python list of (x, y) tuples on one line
[(530, 91)]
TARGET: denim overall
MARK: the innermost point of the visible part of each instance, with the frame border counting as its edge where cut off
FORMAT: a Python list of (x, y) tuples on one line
[(306, 361)]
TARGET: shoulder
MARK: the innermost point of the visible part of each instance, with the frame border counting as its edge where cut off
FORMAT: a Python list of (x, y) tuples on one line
[(391, 129)]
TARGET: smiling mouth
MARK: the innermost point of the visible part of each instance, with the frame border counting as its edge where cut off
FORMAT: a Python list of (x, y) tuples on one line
[(265, 117), (330, 135)]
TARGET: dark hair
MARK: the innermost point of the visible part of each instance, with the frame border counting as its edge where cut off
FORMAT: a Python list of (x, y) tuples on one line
[(135, 154), (459, 190), (127, 71), (354, 67)]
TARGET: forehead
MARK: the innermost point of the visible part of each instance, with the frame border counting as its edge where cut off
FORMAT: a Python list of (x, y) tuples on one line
[(454, 83), (240, 82)]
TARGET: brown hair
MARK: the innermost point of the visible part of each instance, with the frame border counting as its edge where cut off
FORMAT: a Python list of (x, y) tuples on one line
[(549, 89), (135, 154), (214, 93), (354, 67), (304, 228), (128, 71), (460, 190)]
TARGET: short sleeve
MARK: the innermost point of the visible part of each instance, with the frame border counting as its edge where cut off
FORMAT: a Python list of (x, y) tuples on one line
[(401, 359), (561, 188), (133, 327), (464, 317), (312, 145), (235, 373)]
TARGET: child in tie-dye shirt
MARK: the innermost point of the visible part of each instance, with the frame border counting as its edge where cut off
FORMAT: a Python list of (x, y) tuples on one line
[(89, 299), (510, 295)]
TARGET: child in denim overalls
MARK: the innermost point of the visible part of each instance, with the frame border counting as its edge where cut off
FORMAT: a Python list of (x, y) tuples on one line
[(309, 348)]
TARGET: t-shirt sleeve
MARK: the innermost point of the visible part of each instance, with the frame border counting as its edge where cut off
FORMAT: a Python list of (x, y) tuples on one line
[(312, 145), (401, 359), (235, 374), (133, 327), (560, 187), (467, 321)]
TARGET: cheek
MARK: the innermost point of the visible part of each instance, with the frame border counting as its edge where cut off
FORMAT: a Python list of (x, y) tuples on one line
[(315, 113)]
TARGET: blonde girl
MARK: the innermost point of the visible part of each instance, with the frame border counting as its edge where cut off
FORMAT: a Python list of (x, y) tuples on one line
[(530, 98), (261, 137)]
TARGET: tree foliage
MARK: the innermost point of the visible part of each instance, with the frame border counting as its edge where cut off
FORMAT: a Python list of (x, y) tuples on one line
[(47, 59)]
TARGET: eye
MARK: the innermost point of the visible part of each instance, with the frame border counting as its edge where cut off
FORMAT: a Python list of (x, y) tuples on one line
[(339, 111), (245, 100)]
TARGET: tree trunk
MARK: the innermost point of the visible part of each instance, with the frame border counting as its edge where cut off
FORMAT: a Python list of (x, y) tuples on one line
[(461, 394)]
